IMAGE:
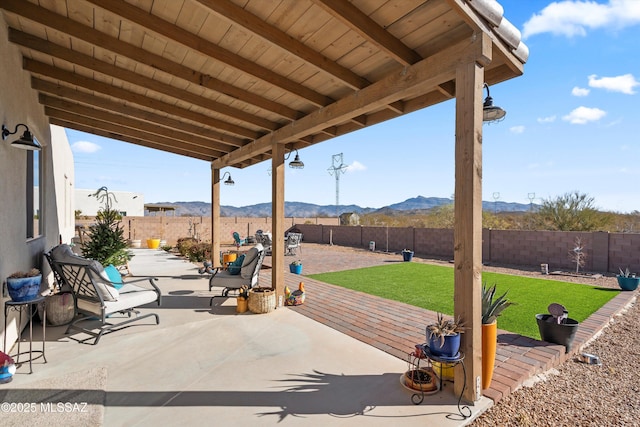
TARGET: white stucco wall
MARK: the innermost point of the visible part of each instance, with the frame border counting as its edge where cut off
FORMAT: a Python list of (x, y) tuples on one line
[(19, 104), (128, 202)]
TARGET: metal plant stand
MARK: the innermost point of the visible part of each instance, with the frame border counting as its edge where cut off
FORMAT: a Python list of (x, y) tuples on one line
[(18, 306), (424, 353)]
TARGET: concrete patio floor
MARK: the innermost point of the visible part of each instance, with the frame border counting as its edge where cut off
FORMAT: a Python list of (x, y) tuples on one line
[(211, 365)]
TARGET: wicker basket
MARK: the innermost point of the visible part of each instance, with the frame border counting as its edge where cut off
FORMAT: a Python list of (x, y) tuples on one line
[(262, 300)]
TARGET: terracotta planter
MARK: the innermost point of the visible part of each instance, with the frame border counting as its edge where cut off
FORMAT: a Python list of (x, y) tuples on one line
[(489, 342)]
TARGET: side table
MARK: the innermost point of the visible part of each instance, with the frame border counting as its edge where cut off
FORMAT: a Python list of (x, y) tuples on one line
[(19, 306), (418, 398)]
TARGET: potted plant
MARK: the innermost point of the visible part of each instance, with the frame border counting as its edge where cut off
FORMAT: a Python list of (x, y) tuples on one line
[(556, 327), (296, 267), (443, 337), (407, 255), (627, 280), (24, 285), (492, 308), (106, 243)]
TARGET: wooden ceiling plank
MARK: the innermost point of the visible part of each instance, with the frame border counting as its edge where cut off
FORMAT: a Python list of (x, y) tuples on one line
[(130, 122), (192, 41), (116, 92), (118, 136), (219, 141), (284, 41), (77, 58), (352, 17), (49, 19), (126, 131), (409, 82)]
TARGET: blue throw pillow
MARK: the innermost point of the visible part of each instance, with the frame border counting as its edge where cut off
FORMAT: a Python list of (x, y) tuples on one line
[(236, 266), (114, 276)]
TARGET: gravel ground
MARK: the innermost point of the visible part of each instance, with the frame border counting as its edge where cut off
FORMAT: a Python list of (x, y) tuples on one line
[(578, 394)]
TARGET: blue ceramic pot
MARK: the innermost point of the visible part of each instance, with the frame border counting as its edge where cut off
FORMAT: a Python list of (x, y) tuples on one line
[(295, 269), (628, 283), (24, 288), (449, 349)]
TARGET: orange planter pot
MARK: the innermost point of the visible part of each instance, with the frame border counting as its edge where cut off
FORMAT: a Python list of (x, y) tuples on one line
[(489, 342)]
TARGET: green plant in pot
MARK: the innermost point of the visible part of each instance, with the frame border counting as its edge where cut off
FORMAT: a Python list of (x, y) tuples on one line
[(627, 280), (443, 337), (106, 243), (492, 308)]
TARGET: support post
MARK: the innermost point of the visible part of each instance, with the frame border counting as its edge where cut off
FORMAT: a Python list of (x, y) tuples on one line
[(277, 215), (215, 216), (468, 224)]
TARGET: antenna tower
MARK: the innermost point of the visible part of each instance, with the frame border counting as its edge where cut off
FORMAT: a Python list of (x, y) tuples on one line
[(337, 167)]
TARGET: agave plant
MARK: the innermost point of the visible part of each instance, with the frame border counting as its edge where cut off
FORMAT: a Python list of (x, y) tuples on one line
[(443, 327), (492, 308)]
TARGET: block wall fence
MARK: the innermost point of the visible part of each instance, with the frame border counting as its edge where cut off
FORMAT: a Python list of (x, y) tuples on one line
[(172, 228), (605, 252)]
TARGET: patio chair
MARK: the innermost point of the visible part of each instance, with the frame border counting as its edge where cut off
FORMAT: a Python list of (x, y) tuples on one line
[(238, 241), (96, 296), (265, 240), (292, 243), (248, 275)]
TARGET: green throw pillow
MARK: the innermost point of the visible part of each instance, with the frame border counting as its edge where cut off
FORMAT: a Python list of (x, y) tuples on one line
[(114, 276), (236, 266)]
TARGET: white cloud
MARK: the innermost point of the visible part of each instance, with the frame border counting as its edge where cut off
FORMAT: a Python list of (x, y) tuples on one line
[(356, 166), (573, 18), (580, 91), (85, 147), (623, 84), (583, 115), (549, 119), (516, 129)]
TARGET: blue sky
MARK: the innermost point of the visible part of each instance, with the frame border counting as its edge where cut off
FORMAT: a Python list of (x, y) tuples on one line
[(573, 123)]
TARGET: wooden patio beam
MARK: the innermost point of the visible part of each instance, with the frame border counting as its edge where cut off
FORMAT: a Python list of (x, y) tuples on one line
[(192, 41), (118, 136), (90, 35), (136, 98), (410, 81), (282, 40), (468, 225), (128, 124), (217, 140), (110, 70), (353, 18)]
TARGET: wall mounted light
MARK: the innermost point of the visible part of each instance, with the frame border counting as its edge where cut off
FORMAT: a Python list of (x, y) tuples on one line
[(228, 181), (296, 163), (491, 113), (26, 141)]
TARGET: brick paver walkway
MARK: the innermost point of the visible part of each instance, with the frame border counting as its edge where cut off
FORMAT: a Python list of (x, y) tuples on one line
[(396, 327)]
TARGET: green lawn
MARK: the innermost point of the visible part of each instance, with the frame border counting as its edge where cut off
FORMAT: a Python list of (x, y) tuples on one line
[(431, 287)]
